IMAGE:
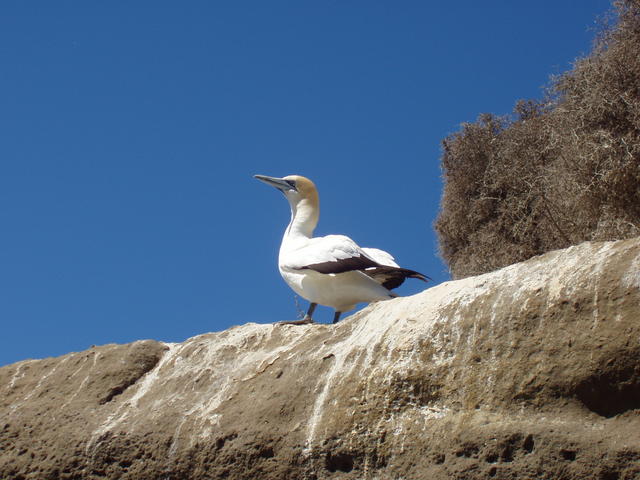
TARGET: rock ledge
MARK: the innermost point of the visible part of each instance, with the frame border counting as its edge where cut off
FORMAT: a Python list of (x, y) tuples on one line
[(532, 371)]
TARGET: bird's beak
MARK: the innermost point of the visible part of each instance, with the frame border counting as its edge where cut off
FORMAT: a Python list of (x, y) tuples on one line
[(279, 183)]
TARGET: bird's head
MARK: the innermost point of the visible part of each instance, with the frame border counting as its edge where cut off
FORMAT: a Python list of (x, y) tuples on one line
[(296, 188)]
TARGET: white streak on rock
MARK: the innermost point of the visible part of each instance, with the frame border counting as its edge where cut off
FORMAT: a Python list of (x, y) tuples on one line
[(19, 373), (44, 378), (123, 410), (84, 381)]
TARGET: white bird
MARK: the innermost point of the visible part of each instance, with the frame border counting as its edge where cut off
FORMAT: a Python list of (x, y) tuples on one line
[(333, 270)]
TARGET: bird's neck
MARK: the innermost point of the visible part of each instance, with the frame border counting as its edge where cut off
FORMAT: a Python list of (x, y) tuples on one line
[(304, 218)]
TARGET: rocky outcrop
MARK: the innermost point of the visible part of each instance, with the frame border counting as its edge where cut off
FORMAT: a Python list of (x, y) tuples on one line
[(532, 371)]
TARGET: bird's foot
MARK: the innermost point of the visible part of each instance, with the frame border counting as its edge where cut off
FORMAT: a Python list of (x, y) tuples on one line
[(305, 321)]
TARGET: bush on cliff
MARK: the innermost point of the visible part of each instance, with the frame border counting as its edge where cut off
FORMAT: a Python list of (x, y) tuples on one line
[(555, 173)]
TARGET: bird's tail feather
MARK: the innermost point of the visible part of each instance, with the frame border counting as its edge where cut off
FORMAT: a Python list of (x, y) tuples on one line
[(393, 277)]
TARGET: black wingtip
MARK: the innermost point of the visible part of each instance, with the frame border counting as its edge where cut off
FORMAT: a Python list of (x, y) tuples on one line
[(420, 276), (414, 274)]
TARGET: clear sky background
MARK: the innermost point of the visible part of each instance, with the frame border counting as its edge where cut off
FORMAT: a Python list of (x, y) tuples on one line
[(130, 131)]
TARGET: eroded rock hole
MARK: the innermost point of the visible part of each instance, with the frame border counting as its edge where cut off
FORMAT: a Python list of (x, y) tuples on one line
[(220, 442), (468, 450), (614, 388), (569, 455), (342, 462), (510, 447), (528, 444), (507, 454), (492, 458), (609, 475), (266, 452)]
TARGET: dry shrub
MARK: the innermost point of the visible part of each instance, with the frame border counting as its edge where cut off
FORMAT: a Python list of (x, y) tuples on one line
[(555, 173)]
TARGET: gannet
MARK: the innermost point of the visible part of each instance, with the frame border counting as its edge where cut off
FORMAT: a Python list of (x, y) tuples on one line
[(332, 270)]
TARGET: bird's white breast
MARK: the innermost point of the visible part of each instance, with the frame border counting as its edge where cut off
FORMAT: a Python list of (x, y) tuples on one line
[(341, 291)]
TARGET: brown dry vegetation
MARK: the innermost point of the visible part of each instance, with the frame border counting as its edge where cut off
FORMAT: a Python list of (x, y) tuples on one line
[(558, 171)]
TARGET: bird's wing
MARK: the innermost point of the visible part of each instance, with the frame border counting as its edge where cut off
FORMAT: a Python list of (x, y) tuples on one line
[(330, 254), (380, 256)]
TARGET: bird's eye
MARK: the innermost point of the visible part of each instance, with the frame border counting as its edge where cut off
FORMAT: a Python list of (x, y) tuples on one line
[(292, 184)]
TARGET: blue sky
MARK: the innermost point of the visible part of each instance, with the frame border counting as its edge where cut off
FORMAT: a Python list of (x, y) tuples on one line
[(130, 131)]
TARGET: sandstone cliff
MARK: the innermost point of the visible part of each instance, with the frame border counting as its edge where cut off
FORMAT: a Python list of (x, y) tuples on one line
[(532, 371)]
